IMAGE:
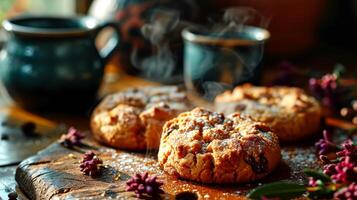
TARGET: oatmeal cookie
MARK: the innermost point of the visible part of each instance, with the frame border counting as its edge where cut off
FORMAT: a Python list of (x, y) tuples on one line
[(133, 119), (291, 113), (208, 147)]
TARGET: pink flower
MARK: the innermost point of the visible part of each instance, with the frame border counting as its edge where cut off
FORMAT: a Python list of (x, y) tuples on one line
[(326, 89), (325, 145), (347, 193), (91, 164), (342, 172), (349, 150), (72, 138), (312, 182), (144, 184)]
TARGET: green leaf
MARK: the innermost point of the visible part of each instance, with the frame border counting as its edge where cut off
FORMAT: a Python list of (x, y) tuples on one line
[(317, 175), (339, 70), (281, 189)]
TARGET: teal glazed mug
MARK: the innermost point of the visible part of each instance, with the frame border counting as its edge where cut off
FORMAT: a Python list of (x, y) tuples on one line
[(52, 63)]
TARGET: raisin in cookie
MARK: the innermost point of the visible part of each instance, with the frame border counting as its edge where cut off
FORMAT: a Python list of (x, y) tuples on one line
[(208, 147), (290, 112), (133, 119)]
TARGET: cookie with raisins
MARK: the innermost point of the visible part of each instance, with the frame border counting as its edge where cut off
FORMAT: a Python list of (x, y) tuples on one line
[(209, 147)]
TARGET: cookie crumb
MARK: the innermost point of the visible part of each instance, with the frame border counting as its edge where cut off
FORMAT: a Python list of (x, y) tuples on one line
[(71, 156)]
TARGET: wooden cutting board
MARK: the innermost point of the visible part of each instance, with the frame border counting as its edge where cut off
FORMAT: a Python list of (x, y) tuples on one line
[(54, 174)]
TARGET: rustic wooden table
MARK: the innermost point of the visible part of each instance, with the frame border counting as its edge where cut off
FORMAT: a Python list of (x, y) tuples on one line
[(113, 81)]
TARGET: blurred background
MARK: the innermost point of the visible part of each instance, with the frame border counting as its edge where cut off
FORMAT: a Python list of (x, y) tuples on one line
[(309, 35), (298, 27)]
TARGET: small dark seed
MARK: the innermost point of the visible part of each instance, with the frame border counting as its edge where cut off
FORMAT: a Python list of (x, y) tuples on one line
[(186, 196), (12, 195), (28, 128), (4, 137)]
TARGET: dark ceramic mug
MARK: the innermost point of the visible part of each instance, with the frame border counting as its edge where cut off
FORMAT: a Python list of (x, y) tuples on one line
[(214, 62), (53, 63)]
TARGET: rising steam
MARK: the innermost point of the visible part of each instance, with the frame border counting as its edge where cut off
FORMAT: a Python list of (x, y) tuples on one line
[(237, 64), (161, 64)]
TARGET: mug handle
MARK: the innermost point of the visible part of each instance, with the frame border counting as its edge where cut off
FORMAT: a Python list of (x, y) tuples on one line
[(112, 44)]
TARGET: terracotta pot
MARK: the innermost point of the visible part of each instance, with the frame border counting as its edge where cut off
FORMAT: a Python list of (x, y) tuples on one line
[(293, 23)]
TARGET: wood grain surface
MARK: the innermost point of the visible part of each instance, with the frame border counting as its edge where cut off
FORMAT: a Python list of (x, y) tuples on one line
[(54, 174)]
